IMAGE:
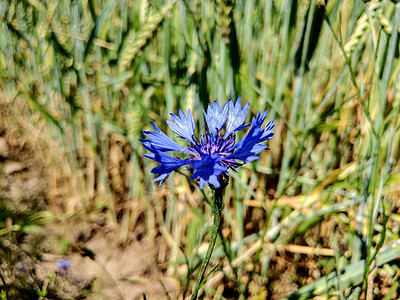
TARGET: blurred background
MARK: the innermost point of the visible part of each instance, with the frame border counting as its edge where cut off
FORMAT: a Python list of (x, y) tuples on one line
[(317, 215)]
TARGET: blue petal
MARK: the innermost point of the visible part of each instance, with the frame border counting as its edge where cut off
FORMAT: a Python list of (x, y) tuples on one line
[(183, 125), (161, 179), (249, 146), (207, 169), (161, 141), (215, 117), (167, 165), (236, 117)]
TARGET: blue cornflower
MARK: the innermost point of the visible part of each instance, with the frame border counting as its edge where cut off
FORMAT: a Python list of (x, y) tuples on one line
[(62, 266), (212, 154)]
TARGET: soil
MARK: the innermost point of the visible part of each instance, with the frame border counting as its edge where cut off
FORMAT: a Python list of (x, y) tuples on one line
[(100, 268)]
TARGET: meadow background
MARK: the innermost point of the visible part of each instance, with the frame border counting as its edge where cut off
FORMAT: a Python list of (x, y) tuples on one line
[(317, 215)]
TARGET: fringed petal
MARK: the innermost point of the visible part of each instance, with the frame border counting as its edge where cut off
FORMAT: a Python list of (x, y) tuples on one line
[(236, 117), (249, 146), (161, 141), (167, 163), (207, 169), (183, 125), (216, 117)]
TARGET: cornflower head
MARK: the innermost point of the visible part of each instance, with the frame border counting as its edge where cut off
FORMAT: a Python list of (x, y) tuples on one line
[(215, 152), (63, 265)]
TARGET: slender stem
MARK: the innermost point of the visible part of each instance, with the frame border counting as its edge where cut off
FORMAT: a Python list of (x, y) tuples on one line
[(218, 194), (228, 254), (4, 284)]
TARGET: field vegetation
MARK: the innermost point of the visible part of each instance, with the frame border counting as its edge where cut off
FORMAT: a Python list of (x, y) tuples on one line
[(317, 216)]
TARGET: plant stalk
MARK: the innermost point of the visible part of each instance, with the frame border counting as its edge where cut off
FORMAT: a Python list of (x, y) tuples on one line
[(218, 194), (4, 285)]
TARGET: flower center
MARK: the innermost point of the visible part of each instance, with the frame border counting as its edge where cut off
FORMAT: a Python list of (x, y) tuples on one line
[(210, 144)]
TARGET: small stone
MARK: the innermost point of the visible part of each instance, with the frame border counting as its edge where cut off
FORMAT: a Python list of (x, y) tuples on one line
[(4, 149), (13, 167)]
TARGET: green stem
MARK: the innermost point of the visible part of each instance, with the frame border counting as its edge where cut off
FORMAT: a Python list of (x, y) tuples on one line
[(217, 219), (4, 284)]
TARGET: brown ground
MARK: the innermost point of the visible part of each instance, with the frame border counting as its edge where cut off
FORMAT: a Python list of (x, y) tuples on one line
[(100, 267)]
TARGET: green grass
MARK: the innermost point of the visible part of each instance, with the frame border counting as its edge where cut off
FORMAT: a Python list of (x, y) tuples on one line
[(93, 73)]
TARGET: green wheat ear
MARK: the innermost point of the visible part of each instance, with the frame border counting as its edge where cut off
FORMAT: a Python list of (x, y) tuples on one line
[(372, 16), (136, 41), (64, 41)]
